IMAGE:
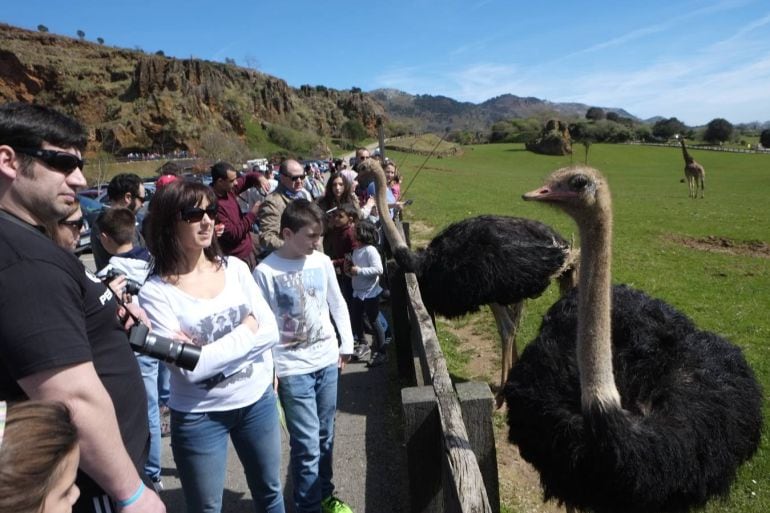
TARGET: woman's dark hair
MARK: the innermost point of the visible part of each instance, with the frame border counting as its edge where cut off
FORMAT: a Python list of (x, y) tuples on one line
[(161, 237), (366, 233), (329, 200), (38, 436)]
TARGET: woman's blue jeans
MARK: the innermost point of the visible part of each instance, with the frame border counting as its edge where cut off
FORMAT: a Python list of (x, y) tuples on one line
[(199, 445), (309, 404)]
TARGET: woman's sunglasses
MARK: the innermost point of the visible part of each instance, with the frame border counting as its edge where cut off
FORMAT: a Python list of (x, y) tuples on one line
[(59, 160), (195, 214), (74, 223)]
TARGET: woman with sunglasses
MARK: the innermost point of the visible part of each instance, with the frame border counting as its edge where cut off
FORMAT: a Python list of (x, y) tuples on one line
[(229, 394), (66, 231)]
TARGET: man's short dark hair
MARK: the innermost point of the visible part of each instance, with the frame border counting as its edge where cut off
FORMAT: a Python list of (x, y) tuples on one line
[(24, 125), (122, 184), (283, 167), (300, 213), (219, 170), (119, 224)]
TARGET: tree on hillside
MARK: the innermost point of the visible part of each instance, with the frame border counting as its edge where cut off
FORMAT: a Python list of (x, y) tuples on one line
[(230, 60), (613, 116), (81, 34), (500, 132), (595, 113), (215, 144), (251, 62), (354, 130), (764, 138), (718, 130), (42, 28), (667, 128), (160, 53), (100, 40)]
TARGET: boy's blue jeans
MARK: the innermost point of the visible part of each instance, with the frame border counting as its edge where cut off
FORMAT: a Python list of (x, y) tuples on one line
[(149, 368), (309, 404), (199, 444)]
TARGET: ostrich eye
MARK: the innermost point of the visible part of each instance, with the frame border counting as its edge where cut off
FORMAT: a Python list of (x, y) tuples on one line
[(578, 182)]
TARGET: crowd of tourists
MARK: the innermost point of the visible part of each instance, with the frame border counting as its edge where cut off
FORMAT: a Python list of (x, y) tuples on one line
[(271, 280)]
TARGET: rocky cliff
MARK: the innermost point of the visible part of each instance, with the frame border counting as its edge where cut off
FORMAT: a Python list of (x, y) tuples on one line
[(133, 101)]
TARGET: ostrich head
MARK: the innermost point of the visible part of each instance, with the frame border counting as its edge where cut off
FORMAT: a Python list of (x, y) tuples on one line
[(369, 170), (579, 190), (582, 192)]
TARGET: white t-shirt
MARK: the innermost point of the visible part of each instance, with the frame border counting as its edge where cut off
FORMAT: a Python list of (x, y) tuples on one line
[(366, 283), (302, 293), (236, 366)]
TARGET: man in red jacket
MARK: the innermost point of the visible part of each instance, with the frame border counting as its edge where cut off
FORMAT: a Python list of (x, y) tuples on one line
[(237, 239)]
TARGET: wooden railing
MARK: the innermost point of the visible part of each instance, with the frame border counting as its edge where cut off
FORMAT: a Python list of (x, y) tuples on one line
[(448, 428)]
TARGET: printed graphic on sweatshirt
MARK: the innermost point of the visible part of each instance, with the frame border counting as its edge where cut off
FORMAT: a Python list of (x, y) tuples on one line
[(299, 305), (212, 328)]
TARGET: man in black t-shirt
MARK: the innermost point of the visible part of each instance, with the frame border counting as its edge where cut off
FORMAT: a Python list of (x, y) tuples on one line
[(59, 334)]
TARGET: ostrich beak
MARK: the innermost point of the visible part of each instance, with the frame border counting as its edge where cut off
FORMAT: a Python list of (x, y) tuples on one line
[(540, 194), (547, 193)]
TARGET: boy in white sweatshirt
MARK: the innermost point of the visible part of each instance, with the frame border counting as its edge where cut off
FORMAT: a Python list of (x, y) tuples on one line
[(300, 285)]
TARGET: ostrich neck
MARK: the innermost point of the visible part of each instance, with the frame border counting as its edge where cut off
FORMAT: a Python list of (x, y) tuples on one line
[(594, 333), (381, 198)]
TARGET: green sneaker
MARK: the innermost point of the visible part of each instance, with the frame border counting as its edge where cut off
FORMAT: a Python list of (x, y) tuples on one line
[(332, 504)]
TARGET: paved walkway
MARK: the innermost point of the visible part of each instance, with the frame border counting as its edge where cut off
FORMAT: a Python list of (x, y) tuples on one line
[(369, 459)]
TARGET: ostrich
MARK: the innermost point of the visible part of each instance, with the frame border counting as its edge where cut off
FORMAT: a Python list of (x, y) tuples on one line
[(486, 260), (693, 172), (621, 403)]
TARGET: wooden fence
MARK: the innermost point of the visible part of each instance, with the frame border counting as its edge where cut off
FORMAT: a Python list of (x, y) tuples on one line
[(765, 151), (448, 428)]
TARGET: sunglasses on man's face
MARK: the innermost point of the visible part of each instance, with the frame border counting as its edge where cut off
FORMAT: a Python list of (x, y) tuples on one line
[(195, 214), (74, 223), (59, 160), (297, 178)]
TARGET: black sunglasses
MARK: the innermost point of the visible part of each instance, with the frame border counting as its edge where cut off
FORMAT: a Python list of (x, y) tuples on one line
[(59, 160), (195, 214), (294, 178), (74, 223)]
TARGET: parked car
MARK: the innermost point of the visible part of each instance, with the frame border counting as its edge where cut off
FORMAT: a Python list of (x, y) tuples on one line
[(91, 209)]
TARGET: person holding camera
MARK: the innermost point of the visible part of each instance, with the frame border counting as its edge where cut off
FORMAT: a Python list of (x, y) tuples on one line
[(229, 393), (117, 236), (51, 303)]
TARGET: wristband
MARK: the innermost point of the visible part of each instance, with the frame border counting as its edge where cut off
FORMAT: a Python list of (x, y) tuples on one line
[(138, 493)]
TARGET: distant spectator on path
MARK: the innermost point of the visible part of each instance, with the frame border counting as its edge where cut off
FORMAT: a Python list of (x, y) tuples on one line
[(237, 239)]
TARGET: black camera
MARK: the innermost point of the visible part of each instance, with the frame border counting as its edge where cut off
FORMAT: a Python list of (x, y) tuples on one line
[(168, 350), (132, 287)]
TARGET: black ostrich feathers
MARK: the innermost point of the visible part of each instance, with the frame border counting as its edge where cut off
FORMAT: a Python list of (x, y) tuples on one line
[(691, 411), (485, 259)]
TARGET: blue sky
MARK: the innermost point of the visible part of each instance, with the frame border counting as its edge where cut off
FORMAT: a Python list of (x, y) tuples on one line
[(696, 60)]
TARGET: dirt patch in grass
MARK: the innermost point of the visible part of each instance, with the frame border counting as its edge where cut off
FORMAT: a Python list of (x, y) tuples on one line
[(519, 483), (716, 244)]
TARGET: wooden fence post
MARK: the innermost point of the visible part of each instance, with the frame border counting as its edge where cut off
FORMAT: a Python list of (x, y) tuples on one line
[(422, 430), (402, 332), (477, 406)]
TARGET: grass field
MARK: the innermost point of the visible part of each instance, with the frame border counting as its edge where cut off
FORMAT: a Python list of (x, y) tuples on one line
[(724, 292)]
